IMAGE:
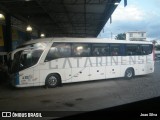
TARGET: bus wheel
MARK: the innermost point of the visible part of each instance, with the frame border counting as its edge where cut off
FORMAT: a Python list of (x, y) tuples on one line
[(129, 73), (52, 80)]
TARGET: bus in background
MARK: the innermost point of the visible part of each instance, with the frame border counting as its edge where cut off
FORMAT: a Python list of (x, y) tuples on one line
[(53, 61), (157, 52)]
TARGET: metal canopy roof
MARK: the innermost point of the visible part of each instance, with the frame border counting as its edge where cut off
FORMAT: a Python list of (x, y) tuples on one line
[(70, 18)]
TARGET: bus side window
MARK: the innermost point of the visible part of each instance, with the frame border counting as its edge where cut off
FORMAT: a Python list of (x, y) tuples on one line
[(96, 52), (132, 49), (139, 50), (81, 50), (150, 49), (103, 51), (146, 49), (59, 50), (115, 50), (36, 55), (100, 49)]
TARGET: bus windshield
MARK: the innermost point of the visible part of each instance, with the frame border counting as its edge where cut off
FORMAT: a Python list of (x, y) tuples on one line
[(28, 57)]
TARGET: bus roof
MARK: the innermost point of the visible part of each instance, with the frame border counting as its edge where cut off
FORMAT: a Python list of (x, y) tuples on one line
[(86, 40)]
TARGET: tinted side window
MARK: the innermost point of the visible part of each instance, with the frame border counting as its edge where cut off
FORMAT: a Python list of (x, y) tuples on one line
[(132, 50), (36, 55), (146, 49), (59, 50), (81, 50), (100, 49), (115, 49)]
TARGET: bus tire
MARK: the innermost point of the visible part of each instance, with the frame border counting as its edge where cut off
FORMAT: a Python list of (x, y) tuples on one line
[(129, 73), (52, 80)]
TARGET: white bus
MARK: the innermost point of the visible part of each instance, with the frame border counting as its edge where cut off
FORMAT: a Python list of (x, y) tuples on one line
[(157, 54), (53, 61)]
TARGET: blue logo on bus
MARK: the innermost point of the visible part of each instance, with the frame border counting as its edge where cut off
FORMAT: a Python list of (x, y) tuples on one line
[(16, 78)]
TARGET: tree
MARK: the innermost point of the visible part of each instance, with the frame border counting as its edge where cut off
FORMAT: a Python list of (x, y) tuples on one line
[(121, 36)]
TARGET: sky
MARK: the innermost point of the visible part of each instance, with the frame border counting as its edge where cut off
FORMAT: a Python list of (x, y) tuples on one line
[(138, 15)]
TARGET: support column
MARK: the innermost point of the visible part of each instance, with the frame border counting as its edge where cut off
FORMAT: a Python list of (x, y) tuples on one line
[(28, 36), (39, 34), (8, 34)]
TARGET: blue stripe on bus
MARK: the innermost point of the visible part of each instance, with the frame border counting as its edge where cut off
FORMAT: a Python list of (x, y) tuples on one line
[(17, 79)]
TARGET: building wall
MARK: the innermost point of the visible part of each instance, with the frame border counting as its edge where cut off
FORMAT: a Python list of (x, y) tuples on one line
[(18, 37), (136, 36)]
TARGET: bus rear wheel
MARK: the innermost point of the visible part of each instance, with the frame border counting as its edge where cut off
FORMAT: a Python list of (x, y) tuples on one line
[(129, 73), (52, 80)]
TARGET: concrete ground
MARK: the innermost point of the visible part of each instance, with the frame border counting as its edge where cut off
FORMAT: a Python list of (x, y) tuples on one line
[(84, 96)]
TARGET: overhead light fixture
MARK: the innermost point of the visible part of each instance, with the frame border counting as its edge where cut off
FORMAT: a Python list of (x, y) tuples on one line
[(116, 3), (42, 35), (29, 28), (2, 16)]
